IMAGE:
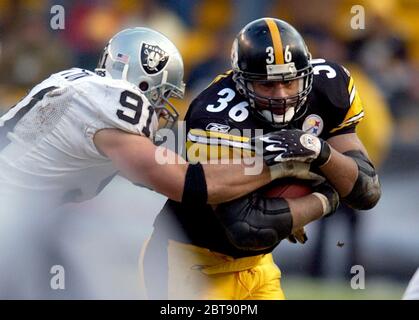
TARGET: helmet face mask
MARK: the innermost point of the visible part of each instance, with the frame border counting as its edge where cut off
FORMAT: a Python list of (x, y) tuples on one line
[(159, 98), (166, 112), (272, 50), (278, 111), (150, 61)]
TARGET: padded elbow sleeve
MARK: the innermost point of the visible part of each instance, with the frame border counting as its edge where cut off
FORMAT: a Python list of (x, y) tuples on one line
[(367, 190), (195, 189)]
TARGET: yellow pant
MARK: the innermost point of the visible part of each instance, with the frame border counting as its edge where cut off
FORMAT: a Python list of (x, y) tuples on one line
[(198, 273)]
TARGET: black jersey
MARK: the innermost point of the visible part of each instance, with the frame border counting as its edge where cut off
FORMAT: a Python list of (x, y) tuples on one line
[(221, 115)]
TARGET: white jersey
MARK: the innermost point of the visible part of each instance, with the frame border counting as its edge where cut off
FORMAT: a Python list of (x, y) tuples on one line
[(46, 140)]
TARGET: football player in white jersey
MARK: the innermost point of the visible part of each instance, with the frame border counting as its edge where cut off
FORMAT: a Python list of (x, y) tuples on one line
[(76, 130)]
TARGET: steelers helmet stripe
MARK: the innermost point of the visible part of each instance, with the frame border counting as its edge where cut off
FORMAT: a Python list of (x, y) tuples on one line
[(276, 40)]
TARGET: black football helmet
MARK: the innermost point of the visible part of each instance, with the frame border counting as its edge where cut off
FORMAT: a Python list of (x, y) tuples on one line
[(270, 49)]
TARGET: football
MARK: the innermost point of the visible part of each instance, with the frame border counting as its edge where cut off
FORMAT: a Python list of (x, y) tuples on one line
[(288, 188)]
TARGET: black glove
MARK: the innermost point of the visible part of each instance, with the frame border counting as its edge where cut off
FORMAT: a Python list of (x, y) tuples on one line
[(328, 196), (291, 145), (255, 223)]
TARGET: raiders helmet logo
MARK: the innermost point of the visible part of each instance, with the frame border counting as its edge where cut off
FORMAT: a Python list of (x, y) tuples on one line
[(153, 58)]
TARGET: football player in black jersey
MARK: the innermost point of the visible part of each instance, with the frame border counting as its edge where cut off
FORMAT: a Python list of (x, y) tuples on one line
[(309, 109)]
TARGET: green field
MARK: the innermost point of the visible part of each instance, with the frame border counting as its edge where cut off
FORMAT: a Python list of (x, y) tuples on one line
[(299, 288)]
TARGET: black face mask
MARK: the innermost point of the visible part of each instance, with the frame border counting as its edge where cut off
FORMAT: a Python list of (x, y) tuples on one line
[(276, 107)]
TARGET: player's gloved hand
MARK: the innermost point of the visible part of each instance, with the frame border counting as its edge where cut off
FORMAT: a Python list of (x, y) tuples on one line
[(294, 169), (298, 235), (291, 145), (328, 196)]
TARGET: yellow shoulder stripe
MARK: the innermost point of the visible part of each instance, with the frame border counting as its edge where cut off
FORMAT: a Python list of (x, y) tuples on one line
[(351, 84), (356, 111), (355, 119), (355, 105), (220, 76)]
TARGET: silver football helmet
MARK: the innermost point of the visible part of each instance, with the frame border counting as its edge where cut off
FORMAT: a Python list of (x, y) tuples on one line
[(149, 60)]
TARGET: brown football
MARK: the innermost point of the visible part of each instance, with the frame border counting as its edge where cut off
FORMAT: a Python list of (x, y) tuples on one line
[(288, 188)]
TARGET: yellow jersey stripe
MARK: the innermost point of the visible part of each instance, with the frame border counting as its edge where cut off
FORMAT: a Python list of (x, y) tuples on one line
[(218, 142), (355, 106), (220, 76), (202, 152), (276, 40), (351, 84), (355, 119), (220, 135), (352, 95)]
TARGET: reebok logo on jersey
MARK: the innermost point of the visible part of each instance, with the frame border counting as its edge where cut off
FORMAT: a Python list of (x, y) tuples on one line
[(217, 127), (153, 58)]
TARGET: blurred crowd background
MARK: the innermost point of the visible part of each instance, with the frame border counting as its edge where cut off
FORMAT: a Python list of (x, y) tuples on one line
[(384, 61)]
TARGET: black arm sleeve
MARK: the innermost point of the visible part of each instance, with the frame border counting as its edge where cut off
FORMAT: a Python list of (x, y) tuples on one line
[(254, 222), (195, 189), (367, 190)]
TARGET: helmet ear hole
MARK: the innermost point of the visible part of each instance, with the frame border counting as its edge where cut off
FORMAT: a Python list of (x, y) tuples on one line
[(143, 86)]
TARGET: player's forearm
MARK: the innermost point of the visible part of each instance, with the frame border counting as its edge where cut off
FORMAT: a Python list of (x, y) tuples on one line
[(162, 170), (341, 171), (183, 181), (304, 210), (351, 172), (228, 182), (222, 183)]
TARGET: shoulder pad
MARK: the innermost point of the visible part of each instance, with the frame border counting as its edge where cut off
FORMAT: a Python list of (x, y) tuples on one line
[(334, 83), (220, 106), (121, 105)]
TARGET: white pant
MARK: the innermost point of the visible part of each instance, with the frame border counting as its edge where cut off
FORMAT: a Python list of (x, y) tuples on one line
[(25, 253), (412, 291)]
